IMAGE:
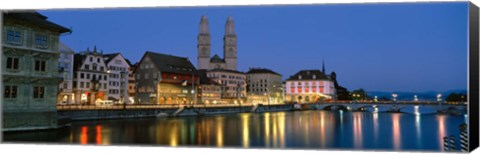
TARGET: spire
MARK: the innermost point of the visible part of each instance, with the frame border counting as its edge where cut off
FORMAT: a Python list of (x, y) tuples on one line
[(230, 27), (94, 49), (323, 66), (204, 25)]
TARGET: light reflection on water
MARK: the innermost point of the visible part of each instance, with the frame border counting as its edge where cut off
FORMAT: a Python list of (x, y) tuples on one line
[(306, 129)]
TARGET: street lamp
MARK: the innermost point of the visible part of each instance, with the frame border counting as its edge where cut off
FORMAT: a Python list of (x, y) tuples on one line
[(415, 98), (394, 97)]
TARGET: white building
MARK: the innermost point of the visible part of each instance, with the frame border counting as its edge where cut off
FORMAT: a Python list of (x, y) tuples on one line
[(264, 86), (232, 82), (309, 86), (90, 78), (65, 64), (118, 71)]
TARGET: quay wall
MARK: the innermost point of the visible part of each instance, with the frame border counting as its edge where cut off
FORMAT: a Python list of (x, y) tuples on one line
[(168, 112)]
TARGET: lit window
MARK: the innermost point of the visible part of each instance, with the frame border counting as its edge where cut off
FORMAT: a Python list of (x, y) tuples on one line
[(10, 92)]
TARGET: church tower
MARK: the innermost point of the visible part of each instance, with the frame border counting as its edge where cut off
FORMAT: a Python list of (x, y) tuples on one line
[(203, 46), (230, 45)]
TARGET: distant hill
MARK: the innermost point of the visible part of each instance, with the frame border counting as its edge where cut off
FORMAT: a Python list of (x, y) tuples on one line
[(408, 96)]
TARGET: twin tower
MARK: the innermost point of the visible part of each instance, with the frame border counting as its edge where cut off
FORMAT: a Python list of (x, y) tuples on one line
[(205, 61)]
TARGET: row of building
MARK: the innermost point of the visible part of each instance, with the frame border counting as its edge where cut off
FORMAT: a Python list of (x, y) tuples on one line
[(39, 72)]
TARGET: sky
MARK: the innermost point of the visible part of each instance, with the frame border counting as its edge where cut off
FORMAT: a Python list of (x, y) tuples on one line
[(411, 47)]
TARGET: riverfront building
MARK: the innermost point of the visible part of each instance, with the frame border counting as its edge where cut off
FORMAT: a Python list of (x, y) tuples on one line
[(264, 86), (165, 79), (233, 85), (90, 78), (118, 69), (309, 86), (65, 64), (131, 81), (30, 71), (209, 91)]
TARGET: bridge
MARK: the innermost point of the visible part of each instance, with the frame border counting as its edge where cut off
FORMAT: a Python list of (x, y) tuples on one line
[(389, 106)]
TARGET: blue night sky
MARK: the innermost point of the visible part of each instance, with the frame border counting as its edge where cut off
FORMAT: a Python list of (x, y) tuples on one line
[(386, 47)]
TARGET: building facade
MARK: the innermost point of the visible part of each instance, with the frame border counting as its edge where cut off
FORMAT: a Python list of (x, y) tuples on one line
[(308, 86), (264, 86), (131, 82), (165, 80), (118, 76), (233, 85), (30, 73), (209, 91), (205, 61), (65, 64), (90, 78)]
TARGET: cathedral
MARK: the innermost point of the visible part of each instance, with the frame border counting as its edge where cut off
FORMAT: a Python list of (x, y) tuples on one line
[(229, 60)]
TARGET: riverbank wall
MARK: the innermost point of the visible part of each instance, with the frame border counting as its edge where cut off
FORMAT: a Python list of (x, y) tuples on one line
[(167, 112)]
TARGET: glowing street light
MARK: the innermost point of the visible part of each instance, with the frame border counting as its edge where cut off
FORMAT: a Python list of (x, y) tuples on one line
[(415, 98), (375, 99), (439, 97), (394, 97)]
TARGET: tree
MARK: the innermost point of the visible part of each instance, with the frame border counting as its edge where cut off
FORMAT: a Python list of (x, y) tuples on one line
[(360, 94), (455, 97)]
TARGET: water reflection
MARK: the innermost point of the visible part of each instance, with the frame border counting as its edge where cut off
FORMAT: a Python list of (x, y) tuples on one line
[(396, 131), (307, 129)]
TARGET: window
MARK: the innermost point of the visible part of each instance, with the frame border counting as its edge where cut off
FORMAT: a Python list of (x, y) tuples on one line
[(38, 92), (10, 92), (98, 60), (40, 65), (104, 86), (87, 85), (74, 84), (88, 76), (81, 76), (105, 77), (41, 41), (81, 84), (87, 66), (14, 36), (91, 59), (94, 67), (101, 69), (12, 63), (94, 77)]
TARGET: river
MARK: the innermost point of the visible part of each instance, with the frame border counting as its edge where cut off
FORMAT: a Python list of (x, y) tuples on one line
[(286, 130)]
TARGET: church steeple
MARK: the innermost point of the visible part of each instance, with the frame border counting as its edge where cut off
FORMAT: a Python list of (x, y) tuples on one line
[(230, 45), (204, 25), (203, 46), (230, 26), (323, 66)]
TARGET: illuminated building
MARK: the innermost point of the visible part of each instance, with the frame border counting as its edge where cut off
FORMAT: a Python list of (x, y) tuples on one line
[(90, 77), (30, 73), (309, 86), (118, 69), (65, 64), (264, 86), (165, 79), (209, 91)]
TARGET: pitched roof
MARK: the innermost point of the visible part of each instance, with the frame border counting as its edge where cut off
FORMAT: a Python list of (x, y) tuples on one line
[(108, 57), (216, 59), (170, 63), (261, 70), (78, 61), (225, 70), (35, 18), (309, 75)]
